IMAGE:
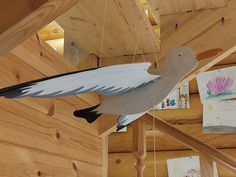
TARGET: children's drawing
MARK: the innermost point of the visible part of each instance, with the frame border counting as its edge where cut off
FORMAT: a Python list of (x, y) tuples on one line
[(177, 99), (217, 85), (186, 167), (219, 117)]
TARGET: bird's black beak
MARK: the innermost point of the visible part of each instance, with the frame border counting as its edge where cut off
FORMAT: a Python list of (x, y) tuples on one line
[(208, 53)]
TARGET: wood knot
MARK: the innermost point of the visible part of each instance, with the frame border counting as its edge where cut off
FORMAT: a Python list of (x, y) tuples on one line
[(118, 161), (74, 165), (58, 136), (51, 110), (222, 20), (39, 173), (155, 65), (176, 26), (17, 76)]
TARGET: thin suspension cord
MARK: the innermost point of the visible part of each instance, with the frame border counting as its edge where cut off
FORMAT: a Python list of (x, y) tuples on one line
[(155, 54), (138, 42), (103, 32)]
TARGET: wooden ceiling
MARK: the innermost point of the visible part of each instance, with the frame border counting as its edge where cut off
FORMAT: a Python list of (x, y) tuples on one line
[(127, 29), (172, 6)]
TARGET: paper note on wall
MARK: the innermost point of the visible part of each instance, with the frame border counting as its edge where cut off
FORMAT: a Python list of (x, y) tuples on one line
[(217, 85), (219, 117), (177, 99), (186, 167)]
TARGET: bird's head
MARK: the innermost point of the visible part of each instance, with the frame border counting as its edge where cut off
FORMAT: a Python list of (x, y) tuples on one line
[(181, 60)]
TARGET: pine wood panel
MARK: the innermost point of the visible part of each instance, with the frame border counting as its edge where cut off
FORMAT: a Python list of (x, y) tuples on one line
[(45, 126), (170, 7), (44, 59), (39, 131), (51, 31), (26, 17), (126, 24), (122, 164), (14, 71), (21, 162)]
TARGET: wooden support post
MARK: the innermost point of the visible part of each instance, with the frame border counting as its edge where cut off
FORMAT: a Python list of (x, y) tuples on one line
[(139, 146), (105, 157), (206, 165)]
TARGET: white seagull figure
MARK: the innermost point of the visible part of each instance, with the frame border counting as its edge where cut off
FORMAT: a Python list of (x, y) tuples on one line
[(129, 89)]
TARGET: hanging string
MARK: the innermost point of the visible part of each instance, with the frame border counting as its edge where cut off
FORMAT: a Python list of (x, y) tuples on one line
[(156, 64), (154, 146), (138, 42), (103, 32)]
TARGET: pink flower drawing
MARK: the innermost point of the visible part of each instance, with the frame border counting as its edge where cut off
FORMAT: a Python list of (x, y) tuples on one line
[(220, 84)]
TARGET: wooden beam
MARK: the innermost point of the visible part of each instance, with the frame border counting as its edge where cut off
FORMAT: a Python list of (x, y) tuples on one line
[(173, 7), (120, 164), (164, 142), (206, 166), (26, 17), (192, 142), (127, 29), (139, 146)]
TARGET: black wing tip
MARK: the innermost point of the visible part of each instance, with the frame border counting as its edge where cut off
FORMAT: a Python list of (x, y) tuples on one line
[(120, 127), (13, 91), (88, 114)]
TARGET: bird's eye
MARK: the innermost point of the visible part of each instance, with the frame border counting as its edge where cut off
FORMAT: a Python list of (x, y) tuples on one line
[(179, 55)]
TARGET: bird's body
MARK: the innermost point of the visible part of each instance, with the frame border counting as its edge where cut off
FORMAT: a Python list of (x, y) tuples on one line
[(151, 94), (130, 91)]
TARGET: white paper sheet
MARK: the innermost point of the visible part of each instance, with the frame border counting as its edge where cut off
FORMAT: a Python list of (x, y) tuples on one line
[(219, 117), (186, 167)]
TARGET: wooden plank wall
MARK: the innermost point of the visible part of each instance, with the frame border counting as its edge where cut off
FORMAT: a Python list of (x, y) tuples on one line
[(40, 137)]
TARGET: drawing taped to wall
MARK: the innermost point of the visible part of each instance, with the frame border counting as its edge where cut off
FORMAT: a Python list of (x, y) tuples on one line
[(177, 99), (186, 167), (217, 85), (219, 117)]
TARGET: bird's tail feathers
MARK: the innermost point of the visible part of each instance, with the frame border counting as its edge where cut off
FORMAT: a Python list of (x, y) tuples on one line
[(88, 114)]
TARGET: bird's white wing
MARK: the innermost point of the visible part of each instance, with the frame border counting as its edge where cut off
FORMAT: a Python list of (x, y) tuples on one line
[(125, 120), (108, 81)]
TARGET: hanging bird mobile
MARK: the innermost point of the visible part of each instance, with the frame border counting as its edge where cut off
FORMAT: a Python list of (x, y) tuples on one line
[(129, 90)]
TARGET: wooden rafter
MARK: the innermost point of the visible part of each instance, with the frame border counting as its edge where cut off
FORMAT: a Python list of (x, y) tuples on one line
[(26, 17), (127, 29), (192, 142)]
